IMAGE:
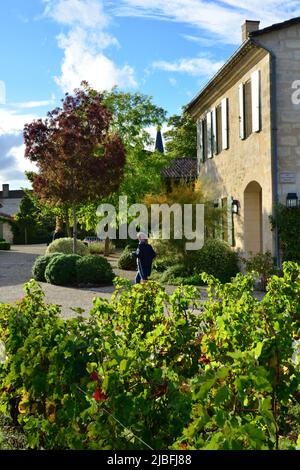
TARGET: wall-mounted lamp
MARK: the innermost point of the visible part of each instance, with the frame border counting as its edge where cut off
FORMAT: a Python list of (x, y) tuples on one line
[(291, 200), (235, 206)]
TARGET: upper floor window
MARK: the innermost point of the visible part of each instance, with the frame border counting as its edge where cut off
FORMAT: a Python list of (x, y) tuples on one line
[(248, 109), (250, 106), (212, 131), (219, 128)]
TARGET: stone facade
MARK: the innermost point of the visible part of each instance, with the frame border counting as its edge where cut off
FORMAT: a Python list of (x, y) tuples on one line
[(285, 45), (246, 171)]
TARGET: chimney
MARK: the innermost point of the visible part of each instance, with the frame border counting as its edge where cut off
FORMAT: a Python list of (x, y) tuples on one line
[(5, 189), (248, 27)]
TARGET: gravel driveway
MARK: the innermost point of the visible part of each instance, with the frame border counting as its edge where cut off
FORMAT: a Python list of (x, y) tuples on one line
[(15, 271)]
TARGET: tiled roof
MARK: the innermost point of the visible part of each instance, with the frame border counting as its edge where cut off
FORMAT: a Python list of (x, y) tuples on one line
[(5, 215), (181, 168), (276, 26), (14, 194)]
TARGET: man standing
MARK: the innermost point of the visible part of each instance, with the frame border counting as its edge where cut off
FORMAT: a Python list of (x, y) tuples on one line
[(144, 255)]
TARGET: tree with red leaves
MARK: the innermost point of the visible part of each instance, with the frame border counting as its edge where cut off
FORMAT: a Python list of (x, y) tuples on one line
[(77, 156)]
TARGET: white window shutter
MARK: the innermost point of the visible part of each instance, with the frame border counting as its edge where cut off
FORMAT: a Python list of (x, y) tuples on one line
[(199, 143), (225, 136), (214, 130), (209, 135), (255, 91), (242, 110)]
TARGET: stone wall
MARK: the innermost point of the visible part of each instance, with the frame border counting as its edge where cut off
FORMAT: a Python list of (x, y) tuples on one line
[(285, 44), (229, 173)]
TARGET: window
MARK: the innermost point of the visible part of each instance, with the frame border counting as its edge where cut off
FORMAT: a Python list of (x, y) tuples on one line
[(204, 124), (248, 109), (219, 129), (250, 106)]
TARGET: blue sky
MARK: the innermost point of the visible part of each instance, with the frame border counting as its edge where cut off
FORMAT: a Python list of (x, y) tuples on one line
[(164, 48)]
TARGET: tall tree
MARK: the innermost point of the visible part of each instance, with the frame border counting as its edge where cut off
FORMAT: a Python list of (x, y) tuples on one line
[(181, 138), (77, 156), (133, 114)]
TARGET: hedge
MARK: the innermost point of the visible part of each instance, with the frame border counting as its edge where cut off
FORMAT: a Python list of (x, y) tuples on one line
[(93, 270), (65, 246), (61, 270), (4, 245)]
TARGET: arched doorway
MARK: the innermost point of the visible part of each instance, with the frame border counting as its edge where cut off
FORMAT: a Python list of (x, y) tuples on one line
[(253, 218)]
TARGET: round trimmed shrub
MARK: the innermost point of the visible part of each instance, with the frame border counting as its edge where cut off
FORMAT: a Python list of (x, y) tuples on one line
[(216, 257), (65, 246), (173, 272), (94, 270), (40, 265), (4, 245), (126, 260), (61, 270)]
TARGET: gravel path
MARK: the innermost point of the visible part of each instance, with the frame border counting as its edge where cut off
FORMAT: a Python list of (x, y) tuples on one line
[(15, 271)]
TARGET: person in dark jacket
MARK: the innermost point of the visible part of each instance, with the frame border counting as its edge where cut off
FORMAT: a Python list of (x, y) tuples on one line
[(144, 255)]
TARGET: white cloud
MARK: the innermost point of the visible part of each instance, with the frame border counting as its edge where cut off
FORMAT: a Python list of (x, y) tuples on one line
[(84, 61), (200, 40), (23, 164), (34, 104), (223, 19), (88, 13), (199, 66), (84, 45), (13, 123), (12, 161)]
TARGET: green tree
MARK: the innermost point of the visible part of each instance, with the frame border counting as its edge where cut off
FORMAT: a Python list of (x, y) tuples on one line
[(132, 115), (26, 216), (181, 139)]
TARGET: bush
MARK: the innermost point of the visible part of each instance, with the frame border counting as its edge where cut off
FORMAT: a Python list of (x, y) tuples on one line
[(98, 248), (94, 270), (161, 263), (4, 245), (126, 260), (61, 270), (65, 246), (173, 272), (216, 258), (40, 265), (287, 222), (263, 264), (129, 376)]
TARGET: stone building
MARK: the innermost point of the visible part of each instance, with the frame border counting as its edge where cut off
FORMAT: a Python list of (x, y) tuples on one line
[(10, 201), (248, 121)]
